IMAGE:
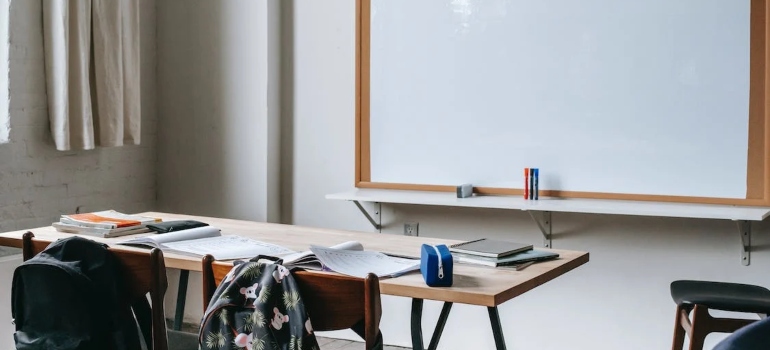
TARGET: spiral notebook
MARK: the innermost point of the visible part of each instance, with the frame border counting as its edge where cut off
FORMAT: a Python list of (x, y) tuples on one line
[(492, 248)]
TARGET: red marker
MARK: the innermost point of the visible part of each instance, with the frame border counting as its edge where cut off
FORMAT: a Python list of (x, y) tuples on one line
[(526, 183)]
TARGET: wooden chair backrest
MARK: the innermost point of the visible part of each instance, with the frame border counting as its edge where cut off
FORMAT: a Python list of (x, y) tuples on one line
[(334, 302), (145, 273)]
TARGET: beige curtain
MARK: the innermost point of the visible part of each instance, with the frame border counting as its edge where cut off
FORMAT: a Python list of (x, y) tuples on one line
[(92, 72)]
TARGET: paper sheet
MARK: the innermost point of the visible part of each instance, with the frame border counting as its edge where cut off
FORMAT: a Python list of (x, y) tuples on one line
[(360, 263), (308, 256), (227, 247)]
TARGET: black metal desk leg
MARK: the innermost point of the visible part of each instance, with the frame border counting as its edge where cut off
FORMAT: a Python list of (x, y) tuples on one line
[(497, 331), (440, 326), (181, 295), (417, 343), (417, 324)]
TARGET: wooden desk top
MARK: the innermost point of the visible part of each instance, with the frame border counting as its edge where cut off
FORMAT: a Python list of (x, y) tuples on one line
[(476, 285)]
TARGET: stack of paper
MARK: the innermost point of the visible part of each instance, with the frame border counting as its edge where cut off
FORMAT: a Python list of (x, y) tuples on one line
[(107, 223)]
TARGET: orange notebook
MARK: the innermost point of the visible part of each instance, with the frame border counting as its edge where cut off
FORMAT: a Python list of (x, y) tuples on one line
[(107, 219)]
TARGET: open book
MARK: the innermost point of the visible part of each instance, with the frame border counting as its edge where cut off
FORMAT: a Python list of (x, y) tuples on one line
[(200, 241), (359, 263), (347, 258), (309, 261), (350, 258)]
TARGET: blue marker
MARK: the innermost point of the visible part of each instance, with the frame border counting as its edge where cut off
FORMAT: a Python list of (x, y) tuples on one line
[(537, 180)]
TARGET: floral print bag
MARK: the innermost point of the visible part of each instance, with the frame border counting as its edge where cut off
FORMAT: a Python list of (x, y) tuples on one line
[(257, 307)]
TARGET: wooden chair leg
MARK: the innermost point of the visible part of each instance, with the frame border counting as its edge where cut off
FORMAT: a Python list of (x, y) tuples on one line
[(701, 327), (679, 331)]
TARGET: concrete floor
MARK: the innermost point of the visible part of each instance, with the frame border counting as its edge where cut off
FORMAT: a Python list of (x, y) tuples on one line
[(325, 343), (339, 344)]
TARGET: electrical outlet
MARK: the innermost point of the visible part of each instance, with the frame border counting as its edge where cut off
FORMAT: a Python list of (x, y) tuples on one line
[(411, 229)]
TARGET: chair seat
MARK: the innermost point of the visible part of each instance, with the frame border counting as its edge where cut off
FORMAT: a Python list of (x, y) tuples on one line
[(722, 296)]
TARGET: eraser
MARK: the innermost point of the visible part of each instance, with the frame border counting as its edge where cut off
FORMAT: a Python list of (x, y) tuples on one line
[(464, 191)]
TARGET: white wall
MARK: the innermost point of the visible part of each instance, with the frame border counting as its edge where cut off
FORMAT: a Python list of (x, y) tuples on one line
[(218, 100), (218, 95), (5, 117), (7, 266), (38, 183), (216, 157), (619, 300)]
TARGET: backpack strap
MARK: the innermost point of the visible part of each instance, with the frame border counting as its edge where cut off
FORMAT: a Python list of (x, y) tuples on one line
[(275, 260)]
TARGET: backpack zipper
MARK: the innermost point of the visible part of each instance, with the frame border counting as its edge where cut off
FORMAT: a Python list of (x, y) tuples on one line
[(440, 265)]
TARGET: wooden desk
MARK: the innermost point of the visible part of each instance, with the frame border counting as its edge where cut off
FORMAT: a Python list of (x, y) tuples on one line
[(474, 285)]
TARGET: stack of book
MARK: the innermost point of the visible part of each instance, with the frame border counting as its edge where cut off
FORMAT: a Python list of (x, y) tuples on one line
[(106, 224), (492, 252)]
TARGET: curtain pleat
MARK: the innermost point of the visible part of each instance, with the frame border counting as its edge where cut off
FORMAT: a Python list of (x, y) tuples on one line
[(67, 38), (92, 72)]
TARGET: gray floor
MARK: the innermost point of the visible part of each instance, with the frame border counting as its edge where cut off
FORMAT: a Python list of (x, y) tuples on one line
[(6, 251), (325, 343), (335, 344)]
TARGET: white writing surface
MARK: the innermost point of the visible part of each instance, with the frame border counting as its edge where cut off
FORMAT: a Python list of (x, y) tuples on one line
[(645, 97)]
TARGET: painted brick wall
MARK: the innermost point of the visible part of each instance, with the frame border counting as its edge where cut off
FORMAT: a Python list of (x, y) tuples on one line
[(38, 183)]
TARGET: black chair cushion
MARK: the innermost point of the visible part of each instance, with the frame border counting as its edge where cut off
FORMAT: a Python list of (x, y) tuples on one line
[(722, 296)]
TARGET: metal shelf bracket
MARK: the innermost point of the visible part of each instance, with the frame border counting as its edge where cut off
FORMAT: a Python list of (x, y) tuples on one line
[(744, 228), (377, 212), (545, 226)]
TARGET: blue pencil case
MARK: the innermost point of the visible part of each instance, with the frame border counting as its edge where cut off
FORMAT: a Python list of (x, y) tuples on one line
[(436, 265)]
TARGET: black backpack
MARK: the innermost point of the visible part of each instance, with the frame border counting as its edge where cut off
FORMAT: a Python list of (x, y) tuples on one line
[(71, 297), (257, 306)]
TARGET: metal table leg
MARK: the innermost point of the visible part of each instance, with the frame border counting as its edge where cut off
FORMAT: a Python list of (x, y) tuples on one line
[(417, 342), (440, 326), (181, 295), (417, 324), (497, 331)]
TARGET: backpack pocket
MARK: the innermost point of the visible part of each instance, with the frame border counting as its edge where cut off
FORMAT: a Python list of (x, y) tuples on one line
[(30, 340), (213, 333), (52, 309)]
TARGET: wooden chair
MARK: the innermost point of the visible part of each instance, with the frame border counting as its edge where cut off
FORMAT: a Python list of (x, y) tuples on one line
[(146, 273), (700, 296), (333, 302)]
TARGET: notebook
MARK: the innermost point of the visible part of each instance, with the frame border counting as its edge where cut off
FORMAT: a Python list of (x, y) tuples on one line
[(515, 259), (492, 248)]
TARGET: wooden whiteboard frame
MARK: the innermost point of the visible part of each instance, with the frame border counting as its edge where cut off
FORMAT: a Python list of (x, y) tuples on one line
[(758, 165)]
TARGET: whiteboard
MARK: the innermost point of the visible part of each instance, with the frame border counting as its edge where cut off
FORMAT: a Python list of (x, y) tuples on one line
[(644, 97)]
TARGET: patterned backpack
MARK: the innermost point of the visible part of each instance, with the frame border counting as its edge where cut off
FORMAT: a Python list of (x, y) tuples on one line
[(257, 307)]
